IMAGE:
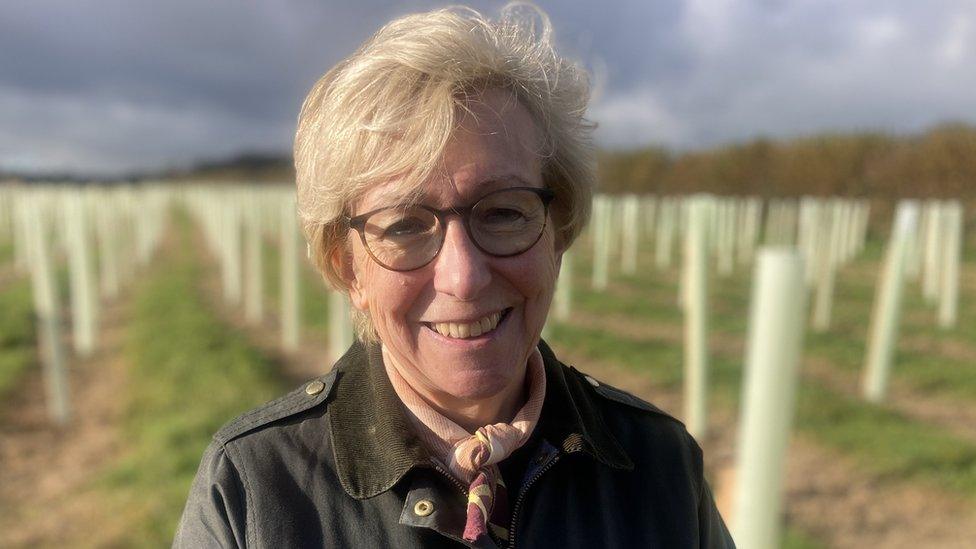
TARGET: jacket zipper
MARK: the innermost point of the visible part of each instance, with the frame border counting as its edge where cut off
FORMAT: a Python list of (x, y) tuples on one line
[(464, 493), (454, 481), (521, 497)]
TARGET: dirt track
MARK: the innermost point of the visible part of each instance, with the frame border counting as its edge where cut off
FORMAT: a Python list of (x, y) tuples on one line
[(46, 473)]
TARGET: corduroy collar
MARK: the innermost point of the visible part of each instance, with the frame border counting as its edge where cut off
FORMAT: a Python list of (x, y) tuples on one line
[(375, 447)]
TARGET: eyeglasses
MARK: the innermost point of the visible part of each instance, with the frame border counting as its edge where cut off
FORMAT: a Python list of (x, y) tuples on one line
[(501, 223)]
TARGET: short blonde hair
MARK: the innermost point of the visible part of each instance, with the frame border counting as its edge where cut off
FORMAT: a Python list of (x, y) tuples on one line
[(389, 109)]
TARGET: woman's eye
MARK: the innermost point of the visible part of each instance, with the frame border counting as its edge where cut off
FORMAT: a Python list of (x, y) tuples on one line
[(405, 227), (503, 215)]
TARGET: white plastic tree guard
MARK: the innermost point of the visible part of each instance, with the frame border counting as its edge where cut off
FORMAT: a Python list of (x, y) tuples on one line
[(667, 219), (48, 310), (20, 239), (750, 214), (862, 213), (340, 325), (914, 248), (952, 249), (107, 232), (827, 259), (254, 275), (808, 236), (289, 275), (564, 288), (649, 213), (601, 242), (695, 303), (84, 305), (769, 390), (931, 275), (231, 242), (725, 236), (885, 317), (6, 215), (630, 233)]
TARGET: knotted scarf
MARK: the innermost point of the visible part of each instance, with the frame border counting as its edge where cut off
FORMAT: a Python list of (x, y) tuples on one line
[(473, 458)]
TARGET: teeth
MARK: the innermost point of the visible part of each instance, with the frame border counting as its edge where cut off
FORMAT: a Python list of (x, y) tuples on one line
[(461, 330)]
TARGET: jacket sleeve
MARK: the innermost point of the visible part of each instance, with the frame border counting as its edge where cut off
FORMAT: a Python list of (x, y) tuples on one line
[(712, 531), (215, 513)]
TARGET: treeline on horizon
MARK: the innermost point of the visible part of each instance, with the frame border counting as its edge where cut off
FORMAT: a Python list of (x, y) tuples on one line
[(940, 163)]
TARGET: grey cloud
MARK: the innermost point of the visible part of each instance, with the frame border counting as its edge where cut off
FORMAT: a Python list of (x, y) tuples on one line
[(110, 85)]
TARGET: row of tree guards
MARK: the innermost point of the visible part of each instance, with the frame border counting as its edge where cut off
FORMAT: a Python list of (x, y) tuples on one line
[(101, 237), (104, 234), (807, 242)]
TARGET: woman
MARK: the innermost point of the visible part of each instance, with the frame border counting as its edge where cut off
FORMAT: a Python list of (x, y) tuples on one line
[(443, 169)]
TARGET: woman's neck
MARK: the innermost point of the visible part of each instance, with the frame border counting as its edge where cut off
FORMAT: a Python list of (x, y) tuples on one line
[(472, 415)]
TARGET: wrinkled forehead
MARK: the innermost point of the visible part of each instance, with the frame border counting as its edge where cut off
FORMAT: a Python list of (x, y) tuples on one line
[(495, 144)]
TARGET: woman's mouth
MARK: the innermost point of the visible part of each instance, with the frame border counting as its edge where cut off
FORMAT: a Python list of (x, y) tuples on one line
[(468, 330)]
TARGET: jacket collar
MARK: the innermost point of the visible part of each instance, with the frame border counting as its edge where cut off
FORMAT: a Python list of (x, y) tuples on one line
[(375, 446)]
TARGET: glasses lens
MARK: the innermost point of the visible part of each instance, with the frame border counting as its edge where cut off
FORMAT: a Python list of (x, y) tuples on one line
[(508, 222), (402, 238)]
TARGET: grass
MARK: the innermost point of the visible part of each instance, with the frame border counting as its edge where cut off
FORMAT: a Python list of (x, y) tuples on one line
[(18, 330), (312, 295), (796, 539), (6, 252), (651, 296), (883, 442), (17, 334), (190, 374)]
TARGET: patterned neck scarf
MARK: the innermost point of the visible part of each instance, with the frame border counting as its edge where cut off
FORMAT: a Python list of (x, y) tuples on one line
[(473, 458)]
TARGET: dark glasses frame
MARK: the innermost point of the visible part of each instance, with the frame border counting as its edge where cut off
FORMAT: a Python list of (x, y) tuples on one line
[(358, 223)]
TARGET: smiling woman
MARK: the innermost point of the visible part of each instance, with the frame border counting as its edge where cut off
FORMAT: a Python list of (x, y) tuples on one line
[(443, 169)]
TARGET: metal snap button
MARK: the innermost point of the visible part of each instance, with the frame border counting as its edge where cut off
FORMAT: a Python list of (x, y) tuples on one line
[(423, 508), (314, 387)]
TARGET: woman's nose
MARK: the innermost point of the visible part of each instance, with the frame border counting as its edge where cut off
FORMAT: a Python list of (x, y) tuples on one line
[(460, 269)]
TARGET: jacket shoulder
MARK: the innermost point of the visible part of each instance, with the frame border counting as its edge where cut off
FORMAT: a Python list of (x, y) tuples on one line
[(619, 396), (309, 395)]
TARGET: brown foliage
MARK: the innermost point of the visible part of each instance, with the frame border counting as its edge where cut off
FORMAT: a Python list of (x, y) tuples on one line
[(938, 163)]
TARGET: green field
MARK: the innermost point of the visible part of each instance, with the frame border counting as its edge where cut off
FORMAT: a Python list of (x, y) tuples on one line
[(182, 387)]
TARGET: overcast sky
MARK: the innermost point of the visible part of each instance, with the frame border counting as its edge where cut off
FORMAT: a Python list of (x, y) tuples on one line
[(104, 86)]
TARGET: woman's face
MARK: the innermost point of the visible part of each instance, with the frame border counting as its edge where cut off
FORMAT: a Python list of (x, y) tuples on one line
[(494, 147)]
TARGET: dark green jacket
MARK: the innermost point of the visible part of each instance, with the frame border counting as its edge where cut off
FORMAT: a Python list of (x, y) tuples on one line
[(335, 464)]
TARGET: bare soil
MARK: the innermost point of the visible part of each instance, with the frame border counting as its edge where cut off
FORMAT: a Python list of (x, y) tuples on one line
[(8, 273), (827, 495), (309, 360), (45, 490)]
